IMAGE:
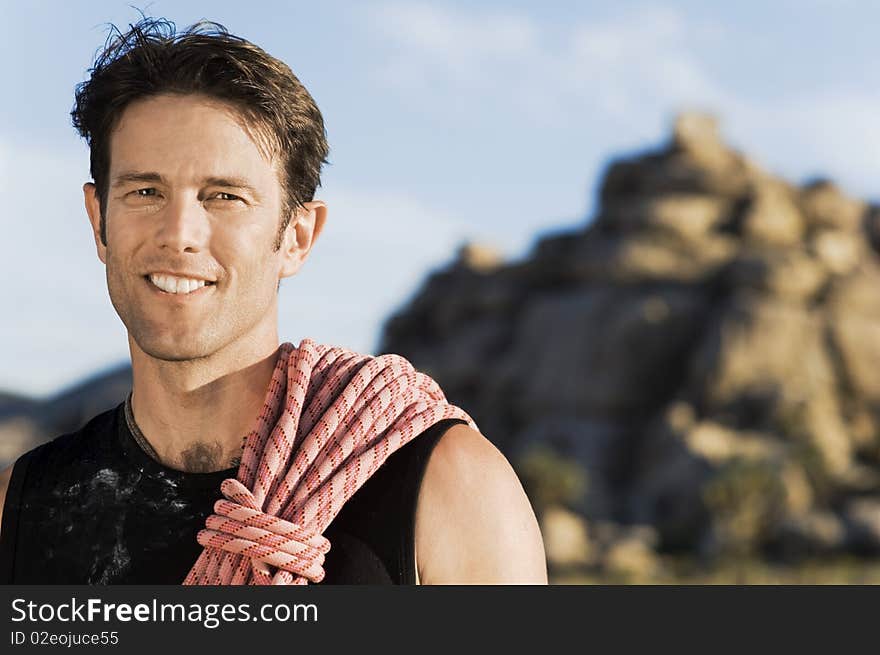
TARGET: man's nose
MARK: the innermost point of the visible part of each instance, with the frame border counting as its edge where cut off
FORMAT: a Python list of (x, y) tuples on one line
[(184, 225)]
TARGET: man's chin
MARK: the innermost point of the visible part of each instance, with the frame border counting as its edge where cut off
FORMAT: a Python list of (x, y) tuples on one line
[(181, 350)]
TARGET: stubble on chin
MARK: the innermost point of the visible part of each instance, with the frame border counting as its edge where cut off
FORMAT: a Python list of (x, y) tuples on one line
[(169, 343), (155, 341)]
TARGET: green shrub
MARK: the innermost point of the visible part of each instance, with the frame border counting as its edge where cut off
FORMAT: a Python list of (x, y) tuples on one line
[(551, 479)]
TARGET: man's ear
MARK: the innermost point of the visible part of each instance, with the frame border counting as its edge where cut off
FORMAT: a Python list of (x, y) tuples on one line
[(93, 209), (305, 225)]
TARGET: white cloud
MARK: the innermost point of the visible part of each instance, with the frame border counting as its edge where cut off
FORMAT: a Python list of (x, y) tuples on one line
[(615, 64), (621, 75), (636, 60), (455, 40), (437, 49)]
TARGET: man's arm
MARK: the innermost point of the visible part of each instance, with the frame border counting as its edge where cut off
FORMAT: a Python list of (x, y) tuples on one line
[(474, 522)]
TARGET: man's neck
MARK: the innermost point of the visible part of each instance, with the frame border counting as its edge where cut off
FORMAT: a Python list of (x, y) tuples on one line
[(196, 414)]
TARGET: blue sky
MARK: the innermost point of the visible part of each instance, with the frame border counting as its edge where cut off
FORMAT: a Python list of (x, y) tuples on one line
[(447, 121)]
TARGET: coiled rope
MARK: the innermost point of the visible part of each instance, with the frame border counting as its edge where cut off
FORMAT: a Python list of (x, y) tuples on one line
[(331, 417)]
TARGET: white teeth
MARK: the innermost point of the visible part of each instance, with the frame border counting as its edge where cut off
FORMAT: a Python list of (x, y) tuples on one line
[(173, 284)]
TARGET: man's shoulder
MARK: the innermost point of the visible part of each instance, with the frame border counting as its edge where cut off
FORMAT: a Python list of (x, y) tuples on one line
[(63, 446), (474, 523), (57, 449)]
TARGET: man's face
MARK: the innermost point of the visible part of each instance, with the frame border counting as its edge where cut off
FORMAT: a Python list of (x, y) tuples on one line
[(191, 197)]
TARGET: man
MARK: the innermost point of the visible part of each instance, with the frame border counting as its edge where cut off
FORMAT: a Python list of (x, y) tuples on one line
[(205, 156)]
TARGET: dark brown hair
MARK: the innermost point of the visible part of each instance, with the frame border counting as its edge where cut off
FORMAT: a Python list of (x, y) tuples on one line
[(153, 58)]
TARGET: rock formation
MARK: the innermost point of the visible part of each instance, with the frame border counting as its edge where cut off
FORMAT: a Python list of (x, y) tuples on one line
[(705, 352)]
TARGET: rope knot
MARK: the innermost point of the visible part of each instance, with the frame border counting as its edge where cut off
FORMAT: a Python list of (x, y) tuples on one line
[(277, 548)]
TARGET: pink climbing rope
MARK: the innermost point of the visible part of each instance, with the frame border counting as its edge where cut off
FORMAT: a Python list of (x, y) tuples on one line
[(331, 417)]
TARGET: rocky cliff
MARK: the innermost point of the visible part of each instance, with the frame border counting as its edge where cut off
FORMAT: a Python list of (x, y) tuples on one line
[(697, 369)]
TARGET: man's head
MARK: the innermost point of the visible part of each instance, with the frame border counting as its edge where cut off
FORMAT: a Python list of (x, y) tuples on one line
[(152, 59), (205, 154)]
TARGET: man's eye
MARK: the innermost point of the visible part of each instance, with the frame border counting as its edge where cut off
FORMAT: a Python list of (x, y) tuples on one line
[(221, 195), (146, 192)]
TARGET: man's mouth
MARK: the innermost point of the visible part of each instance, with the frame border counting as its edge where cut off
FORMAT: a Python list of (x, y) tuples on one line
[(177, 285)]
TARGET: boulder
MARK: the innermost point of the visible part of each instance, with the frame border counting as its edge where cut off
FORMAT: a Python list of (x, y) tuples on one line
[(666, 483), (853, 324), (790, 274), (632, 559), (647, 257), (566, 538), (872, 227), (770, 216), (818, 533), (619, 350), (825, 206), (756, 353), (690, 216), (625, 552), (718, 444), (839, 251), (601, 450), (479, 257), (862, 516)]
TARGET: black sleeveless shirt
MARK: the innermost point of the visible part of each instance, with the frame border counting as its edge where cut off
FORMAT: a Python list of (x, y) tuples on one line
[(91, 507)]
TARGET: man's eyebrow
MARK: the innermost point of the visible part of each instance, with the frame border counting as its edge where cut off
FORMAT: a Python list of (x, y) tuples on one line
[(231, 182), (137, 176), (149, 176)]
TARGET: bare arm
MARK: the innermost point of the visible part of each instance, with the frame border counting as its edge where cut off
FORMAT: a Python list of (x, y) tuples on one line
[(474, 522)]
